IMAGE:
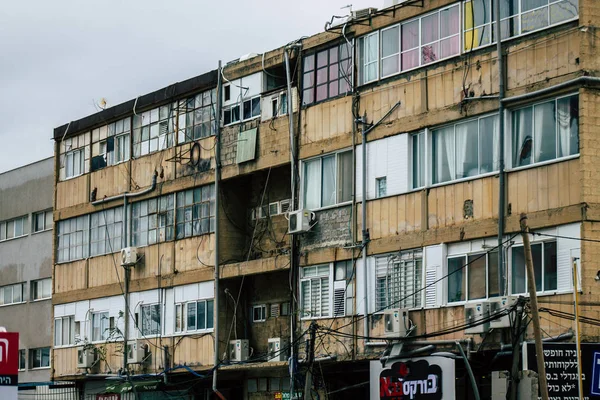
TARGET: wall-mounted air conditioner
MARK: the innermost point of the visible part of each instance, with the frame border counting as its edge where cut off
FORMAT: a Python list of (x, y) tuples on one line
[(129, 256), (284, 206), (136, 352), (497, 305), (274, 208), (277, 349), (474, 313), (86, 357), (238, 350), (300, 221), (363, 13), (395, 321)]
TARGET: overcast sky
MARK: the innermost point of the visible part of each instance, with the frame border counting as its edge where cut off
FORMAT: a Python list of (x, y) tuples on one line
[(58, 57)]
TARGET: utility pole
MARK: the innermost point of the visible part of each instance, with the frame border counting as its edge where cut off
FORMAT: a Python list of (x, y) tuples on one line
[(310, 358), (514, 373), (539, 349)]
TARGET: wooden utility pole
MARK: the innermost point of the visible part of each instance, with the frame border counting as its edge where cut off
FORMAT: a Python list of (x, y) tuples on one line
[(310, 358), (537, 332), (516, 351)]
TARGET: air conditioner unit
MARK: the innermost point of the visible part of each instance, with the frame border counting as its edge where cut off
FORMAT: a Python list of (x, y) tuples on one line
[(274, 208), (86, 357), (238, 350), (136, 352), (300, 221), (129, 256), (363, 13), (277, 350), (395, 321), (474, 313), (498, 304)]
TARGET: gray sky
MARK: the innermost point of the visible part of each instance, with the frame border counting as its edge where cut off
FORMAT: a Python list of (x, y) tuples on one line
[(57, 57)]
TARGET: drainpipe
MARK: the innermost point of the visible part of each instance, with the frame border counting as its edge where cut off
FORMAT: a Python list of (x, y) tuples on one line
[(365, 232), (217, 204), (502, 175)]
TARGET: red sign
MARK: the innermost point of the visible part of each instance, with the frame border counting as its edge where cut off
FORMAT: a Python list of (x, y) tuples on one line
[(108, 396), (9, 354)]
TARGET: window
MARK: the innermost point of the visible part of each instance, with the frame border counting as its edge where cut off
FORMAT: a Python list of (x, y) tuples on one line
[(259, 313), (42, 220), (14, 228), (152, 130), (517, 17), (11, 294), (121, 152), (544, 267), (199, 315), (418, 160), (405, 46), (150, 319), (343, 288), (273, 384), (326, 74), (465, 149), (545, 131), (399, 280), (100, 326), (74, 163), (328, 180), (473, 276), (314, 290), (64, 331), (199, 117), (153, 220), (73, 238), (196, 211), (381, 186), (22, 359), (39, 358), (41, 289), (111, 144), (106, 231)]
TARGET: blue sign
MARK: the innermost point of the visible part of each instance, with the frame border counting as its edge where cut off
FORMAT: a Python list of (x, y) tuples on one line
[(595, 389)]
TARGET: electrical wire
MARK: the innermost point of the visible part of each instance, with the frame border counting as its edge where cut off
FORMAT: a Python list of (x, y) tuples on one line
[(564, 237)]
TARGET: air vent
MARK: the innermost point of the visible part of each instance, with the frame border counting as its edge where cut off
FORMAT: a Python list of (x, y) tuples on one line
[(275, 310), (284, 206)]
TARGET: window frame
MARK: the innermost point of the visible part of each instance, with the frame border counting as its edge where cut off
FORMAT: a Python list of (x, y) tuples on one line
[(181, 311), (539, 291), (34, 289), (104, 329), (511, 145), (187, 134), (466, 266), (150, 122), (45, 214), (303, 181), (23, 357), (320, 276), (71, 163), (22, 221), (156, 309), (262, 309), (12, 287), (398, 260), (102, 231), (62, 236), (38, 354), (419, 139), (60, 321)]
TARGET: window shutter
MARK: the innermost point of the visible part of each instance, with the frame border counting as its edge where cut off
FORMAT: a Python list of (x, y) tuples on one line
[(567, 249), (324, 297), (564, 271), (435, 258), (339, 301), (431, 295)]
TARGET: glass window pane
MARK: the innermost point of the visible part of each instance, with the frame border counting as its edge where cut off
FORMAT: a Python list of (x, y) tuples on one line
[(568, 126), (191, 316), (210, 314), (527, 5), (488, 144), (449, 22), (344, 177), (550, 264), (477, 275), (536, 254), (467, 149), (328, 181), (443, 154), (493, 278), (544, 136), (309, 62), (534, 20), (518, 270), (390, 41), (430, 28), (563, 11), (456, 279), (522, 139), (312, 184), (201, 315)]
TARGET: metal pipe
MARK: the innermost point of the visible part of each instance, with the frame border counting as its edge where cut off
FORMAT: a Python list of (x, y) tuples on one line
[(469, 371), (217, 204), (502, 286), (552, 89), (128, 195), (365, 239), (126, 293), (466, 342), (291, 122)]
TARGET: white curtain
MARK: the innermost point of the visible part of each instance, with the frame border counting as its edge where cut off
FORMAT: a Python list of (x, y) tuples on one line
[(466, 150), (443, 148), (568, 126), (544, 139), (328, 181), (312, 184), (488, 144), (522, 136)]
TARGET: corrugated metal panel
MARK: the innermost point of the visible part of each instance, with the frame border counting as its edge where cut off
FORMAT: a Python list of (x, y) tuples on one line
[(246, 146), (46, 393)]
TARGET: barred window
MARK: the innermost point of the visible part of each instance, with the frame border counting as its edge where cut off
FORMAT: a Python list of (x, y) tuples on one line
[(106, 231), (196, 211), (399, 277), (153, 220), (73, 239)]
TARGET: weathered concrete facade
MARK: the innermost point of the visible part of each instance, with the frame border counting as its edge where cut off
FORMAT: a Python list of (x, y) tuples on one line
[(24, 192)]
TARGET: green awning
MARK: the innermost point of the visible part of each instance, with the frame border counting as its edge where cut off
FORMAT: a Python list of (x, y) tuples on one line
[(127, 387)]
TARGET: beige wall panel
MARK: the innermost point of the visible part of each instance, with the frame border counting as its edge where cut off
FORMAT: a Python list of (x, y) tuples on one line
[(187, 252), (194, 351), (72, 192), (70, 276), (110, 181), (103, 270), (318, 121), (143, 168), (157, 260)]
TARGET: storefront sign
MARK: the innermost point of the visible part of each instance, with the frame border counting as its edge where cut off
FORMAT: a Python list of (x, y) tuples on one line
[(560, 360), (108, 396), (9, 365), (423, 378), (287, 396)]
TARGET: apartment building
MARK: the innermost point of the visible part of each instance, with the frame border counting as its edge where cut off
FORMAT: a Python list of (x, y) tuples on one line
[(26, 273), (257, 233)]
